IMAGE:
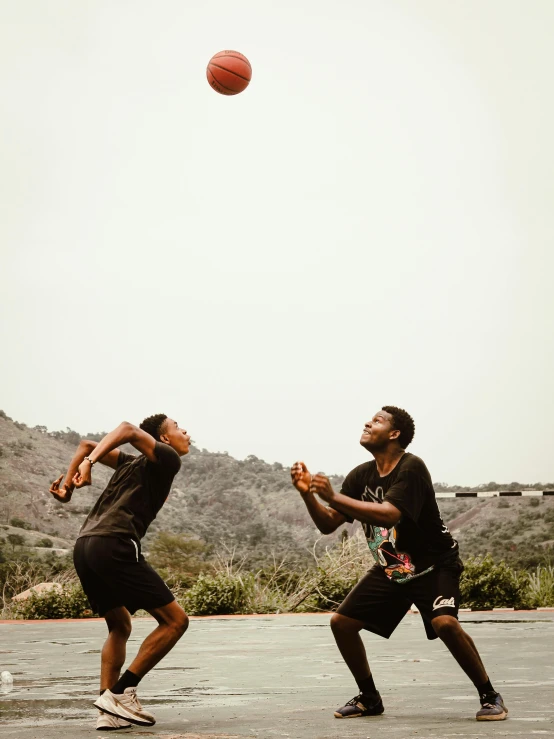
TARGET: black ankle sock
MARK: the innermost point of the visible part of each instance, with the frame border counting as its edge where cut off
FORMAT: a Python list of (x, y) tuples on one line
[(102, 691), (127, 680), (367, 686), (485, 689)]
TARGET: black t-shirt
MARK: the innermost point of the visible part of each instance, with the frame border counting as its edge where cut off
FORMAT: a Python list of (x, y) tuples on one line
[(420, 540), (134, 495)]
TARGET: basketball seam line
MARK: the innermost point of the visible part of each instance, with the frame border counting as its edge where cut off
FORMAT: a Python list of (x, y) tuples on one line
[(222, 85), (229, 72), (223, 55)]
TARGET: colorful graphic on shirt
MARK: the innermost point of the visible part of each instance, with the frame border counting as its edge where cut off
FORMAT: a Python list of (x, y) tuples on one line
[(397, 565)]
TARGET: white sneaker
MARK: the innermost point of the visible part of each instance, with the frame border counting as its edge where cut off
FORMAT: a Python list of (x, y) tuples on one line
[(125, 706), (110, 723)]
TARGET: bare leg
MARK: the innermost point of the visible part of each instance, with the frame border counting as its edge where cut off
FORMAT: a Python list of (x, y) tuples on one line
[(172, 624), (118, 621), (347, 635), (462, 648)]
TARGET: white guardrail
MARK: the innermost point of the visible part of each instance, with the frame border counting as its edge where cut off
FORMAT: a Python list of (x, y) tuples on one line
[(497, 494)]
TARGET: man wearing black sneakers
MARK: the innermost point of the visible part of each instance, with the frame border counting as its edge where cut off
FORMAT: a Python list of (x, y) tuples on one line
[(416, 558), (115, 576)]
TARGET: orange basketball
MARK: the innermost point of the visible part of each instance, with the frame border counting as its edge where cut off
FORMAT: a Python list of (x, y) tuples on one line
[(229, 72)]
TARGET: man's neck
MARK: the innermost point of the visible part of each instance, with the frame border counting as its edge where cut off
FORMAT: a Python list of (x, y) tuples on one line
[(387, 460)]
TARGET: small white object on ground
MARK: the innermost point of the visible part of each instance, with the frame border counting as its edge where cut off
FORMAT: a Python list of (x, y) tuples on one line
[(6, 677)]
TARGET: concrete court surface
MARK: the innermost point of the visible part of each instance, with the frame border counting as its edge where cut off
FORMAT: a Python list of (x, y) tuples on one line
[(281, 676)]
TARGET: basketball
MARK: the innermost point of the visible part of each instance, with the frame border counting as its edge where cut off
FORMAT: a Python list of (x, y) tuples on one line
[(229, 72)]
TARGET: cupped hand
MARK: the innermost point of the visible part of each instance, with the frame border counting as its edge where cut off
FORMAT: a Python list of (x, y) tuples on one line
[(61, 492), (321, 486), (300, 477), (83, 476)]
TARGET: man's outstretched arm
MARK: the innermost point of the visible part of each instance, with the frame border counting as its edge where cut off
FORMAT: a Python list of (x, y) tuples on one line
[(125, 433)]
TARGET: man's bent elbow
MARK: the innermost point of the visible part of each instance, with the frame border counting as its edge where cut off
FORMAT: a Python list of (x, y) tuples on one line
[(128, 429)]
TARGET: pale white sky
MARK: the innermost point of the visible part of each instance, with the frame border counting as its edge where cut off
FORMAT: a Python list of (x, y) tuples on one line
[(370, 223)]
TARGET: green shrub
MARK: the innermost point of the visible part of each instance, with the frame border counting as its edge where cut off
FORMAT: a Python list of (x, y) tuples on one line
[(70, 602), (19, 523), (541, 586), (332, 589), (486, 584), (46, 542), (218, 594), (338, 570)]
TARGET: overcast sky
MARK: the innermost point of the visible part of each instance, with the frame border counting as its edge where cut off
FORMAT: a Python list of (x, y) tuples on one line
[(371, 222)]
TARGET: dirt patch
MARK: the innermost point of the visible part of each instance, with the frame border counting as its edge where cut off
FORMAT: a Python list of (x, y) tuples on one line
[(464, 518), (195, 736)]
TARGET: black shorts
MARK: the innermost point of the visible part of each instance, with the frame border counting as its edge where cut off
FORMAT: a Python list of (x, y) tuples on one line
[(382, 604), (114, 573)]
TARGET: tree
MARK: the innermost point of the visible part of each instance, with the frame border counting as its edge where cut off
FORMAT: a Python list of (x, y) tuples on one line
[(179, 554), (69, 436), (16, 540)]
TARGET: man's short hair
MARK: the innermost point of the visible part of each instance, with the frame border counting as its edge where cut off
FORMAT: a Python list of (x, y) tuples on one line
[(403, 422), (153, 425)]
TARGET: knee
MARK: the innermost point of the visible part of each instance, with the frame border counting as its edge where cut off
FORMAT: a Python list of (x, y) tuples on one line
[(343, 625), (446, 626), (179, 623), (122, 626)]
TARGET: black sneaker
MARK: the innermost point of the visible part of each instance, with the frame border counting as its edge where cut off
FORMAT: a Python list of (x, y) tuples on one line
[(361, 705), (492, 708)]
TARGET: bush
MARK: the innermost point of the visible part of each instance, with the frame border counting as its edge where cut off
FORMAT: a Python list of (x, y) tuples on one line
[(330, 589), (17, 575), (70, 602), (218, 594), (19, 523), (338, 570), (48, 543), (485, 585), (541, 587)]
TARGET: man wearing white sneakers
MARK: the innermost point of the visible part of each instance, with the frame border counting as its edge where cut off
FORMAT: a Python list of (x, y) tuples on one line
[(115, 576)]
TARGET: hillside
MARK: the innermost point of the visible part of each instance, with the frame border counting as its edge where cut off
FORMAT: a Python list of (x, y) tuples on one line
[(247, 505)]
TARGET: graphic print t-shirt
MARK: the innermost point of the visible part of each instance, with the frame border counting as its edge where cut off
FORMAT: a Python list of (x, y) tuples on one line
[(420, 540), (134, 495)]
